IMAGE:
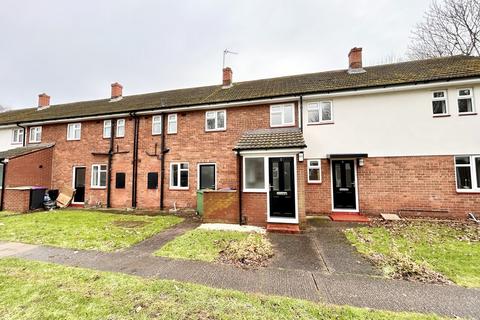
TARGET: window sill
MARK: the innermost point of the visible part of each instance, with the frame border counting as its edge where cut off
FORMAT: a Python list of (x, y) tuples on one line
[(16, 143), (314, 182), (179, 188), (34, 142), (283, 125), (468, 191), (216, 130), (467, 114), (320, 123), (98, 188), (73, 139), (254, 191), (441, 115), (171, 133), (156, 134)]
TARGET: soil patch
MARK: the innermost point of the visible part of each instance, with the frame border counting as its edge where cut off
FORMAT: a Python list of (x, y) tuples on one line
[(251, 252)]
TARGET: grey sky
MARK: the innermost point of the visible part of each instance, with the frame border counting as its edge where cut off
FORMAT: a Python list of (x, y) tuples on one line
[(73, 50)]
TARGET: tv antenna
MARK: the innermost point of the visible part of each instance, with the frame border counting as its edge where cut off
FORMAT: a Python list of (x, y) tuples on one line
[(225, 52)]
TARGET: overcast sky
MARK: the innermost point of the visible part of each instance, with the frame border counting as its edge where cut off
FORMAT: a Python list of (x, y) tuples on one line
[(74, 50)]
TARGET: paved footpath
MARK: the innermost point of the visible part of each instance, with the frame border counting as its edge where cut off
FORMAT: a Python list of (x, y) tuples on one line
[(335, 288)]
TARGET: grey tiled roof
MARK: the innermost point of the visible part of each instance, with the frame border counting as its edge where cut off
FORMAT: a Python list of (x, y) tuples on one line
[(21, 151), (271, 139), (411, 72)]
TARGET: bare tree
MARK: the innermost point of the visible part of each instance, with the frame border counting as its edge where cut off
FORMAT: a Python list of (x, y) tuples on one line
[(450, 28)]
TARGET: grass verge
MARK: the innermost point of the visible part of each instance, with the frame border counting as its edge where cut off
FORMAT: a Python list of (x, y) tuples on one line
[(37, 290), (82, 229), (451, 249)]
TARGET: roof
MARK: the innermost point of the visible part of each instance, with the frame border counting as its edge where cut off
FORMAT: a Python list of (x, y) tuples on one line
[(281, 138), (420, 71), (21, 151)]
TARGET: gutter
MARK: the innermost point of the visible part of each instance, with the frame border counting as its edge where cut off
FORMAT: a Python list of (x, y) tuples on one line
[(110, 158), (135, 158), (4, 170)]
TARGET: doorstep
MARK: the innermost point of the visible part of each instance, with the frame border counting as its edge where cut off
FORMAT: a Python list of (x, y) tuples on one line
[(348, 217), (283, 228)]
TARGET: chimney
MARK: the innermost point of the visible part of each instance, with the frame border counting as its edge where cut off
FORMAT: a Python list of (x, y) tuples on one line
[(43, 101), (116, 91), (355, 61), (227, 77)]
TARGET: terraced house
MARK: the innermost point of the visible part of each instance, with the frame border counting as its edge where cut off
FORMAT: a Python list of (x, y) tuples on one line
[(395, 138)]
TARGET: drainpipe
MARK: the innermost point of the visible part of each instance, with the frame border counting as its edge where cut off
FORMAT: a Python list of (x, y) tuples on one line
[(162, 164), (4, 170), (240, 184), (135, 158), (110, 158), (301, 113), (24, 134)]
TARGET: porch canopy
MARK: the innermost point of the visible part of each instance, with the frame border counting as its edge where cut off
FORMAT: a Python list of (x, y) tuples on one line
[(267, 139)]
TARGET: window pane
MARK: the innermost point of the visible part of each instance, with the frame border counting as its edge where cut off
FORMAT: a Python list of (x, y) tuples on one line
[(288, 114), (464, 92), (152, 180), (439, 107), (276, 118), (477, 166), (175, 175), (220, 120), (464, 178), (313, 115), (314, 174), (348, 175), (326, 111), (275, 176), (462, 160), (254, 173), (439, 94), (338, 175), (107, 128), (211, 124), (95, 176), (184, 166), (287, 183), (465, 105), (207, 177), (103, 178), (183, 178)]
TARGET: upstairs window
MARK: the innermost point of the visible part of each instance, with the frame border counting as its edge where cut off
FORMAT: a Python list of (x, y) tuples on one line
[(35, 134), (439, 103), (314, 171), (467, 172), (107, 128), (319, 112), (99, 176), (282, 115), (215, 120), (179, 175), (74, 131), (17, 136), (156, 125), (465, 101), (120, 128), (172, 123)]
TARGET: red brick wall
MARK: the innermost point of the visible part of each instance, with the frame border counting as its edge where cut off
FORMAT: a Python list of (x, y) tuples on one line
[(17, 200), (407, 185), (254, 208), (220, 207), (33, 169)]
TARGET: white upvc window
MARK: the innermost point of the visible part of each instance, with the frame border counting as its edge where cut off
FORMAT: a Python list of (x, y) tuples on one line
[(319, 112), (216, 120), (172, 123), (107, 128), (120, 128), (99, 176), (74, 131), (439, 103), (179, 175), (157, 125), (465, 101), (467, 173), (17, 136), (35, 135), (314, 171), (282, 115), (255, 174)]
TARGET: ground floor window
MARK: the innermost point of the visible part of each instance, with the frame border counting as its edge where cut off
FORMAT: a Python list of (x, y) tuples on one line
[(314, 171), (179, 175), (206, 176), (120, 180), (467, 170), (99, 176), (152, 180), (254, 174)]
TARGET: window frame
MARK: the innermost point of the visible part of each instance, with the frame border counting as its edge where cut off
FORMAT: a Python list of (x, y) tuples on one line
[(70, 125), (156, 119), (283, 124), (104, 134), (169, 121), (39, 128), (444, 98), (18, 136), (216, 112), (318, 105), (470, 96), (319, 167), (99, 172), (265, 175), (473, 173), (117, 135), (179, 175), (215, 173)]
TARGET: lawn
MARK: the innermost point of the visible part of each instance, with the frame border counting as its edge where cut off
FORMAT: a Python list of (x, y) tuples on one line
[(7, 213), (82, 229), (452, 249), (204, 245), (37, 290)]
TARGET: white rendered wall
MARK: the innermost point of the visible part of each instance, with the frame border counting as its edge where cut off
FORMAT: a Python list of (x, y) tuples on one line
[(6, 139), (394, 124)]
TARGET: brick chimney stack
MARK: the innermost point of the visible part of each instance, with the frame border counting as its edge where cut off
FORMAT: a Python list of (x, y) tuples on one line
[(227, 77), (43, 100), (117, 89), (355, 64)]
